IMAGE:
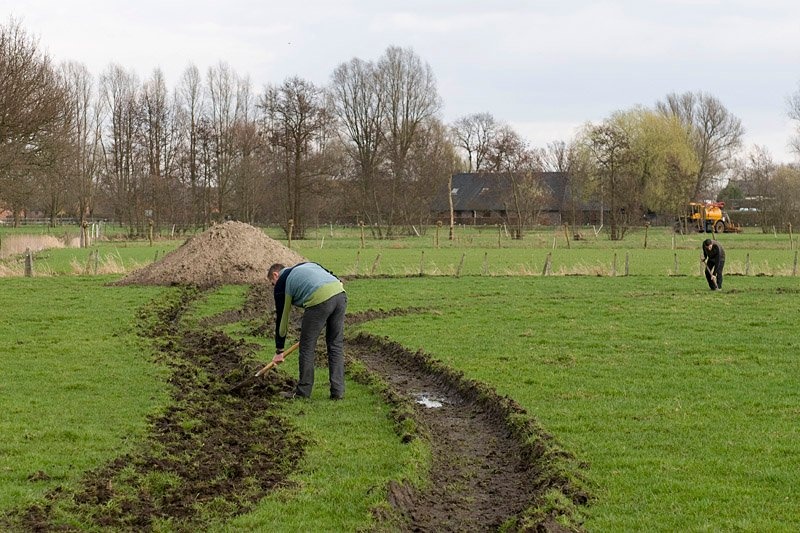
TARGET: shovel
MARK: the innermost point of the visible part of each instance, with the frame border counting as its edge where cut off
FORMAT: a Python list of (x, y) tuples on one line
[(266, 368), (712, 276)]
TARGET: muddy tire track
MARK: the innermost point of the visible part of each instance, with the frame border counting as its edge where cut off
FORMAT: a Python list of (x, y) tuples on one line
[(490, 464), (209, 456)]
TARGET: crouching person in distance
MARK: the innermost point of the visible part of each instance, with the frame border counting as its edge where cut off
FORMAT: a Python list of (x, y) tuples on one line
[(714, 258), (324, 300)]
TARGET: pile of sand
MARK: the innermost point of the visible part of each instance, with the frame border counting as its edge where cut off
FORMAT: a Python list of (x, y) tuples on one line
[(229, 253)]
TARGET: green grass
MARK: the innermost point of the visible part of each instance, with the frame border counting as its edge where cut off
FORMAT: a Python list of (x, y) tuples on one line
[(683, 401), (352, 454), (77, 382)]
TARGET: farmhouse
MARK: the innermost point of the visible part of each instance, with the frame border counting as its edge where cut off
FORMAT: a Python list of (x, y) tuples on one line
[(487, 198)]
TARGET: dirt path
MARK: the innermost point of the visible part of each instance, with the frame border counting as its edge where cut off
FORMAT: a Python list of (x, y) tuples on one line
[(209, 456)]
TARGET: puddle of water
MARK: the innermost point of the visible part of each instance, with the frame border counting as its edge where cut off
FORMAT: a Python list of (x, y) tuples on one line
[(429, 401)]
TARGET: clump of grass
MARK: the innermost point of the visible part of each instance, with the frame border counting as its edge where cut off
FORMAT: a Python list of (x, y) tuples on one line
[(102, 264), (11, 270)]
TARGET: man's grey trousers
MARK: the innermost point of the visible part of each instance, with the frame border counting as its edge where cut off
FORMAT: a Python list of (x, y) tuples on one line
[(329, 315)]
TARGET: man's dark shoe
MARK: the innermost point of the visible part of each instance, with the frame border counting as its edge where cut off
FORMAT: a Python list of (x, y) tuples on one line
[(288, 395), (337, 397)]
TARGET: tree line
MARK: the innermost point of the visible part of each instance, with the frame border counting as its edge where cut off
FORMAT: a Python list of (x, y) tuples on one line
[(369, 147)]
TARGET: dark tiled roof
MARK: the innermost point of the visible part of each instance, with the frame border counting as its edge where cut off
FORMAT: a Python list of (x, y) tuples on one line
[(493, 192)]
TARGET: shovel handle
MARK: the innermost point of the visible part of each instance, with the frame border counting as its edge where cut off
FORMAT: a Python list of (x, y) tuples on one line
[(271, 364)]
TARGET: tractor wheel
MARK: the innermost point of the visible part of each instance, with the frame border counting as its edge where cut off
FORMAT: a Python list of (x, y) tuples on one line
[(719, 226)]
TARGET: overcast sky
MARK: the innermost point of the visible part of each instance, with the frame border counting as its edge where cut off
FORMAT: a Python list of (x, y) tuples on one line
[(544, 67)]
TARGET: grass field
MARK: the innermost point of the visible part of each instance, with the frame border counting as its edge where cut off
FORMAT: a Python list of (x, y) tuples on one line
[(682, 401)]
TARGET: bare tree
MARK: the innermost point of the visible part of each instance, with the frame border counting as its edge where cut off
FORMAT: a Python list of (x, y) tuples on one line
[(190, 112), (248, 172), (123, 172), (359, 103), (224, 109), (756, 173), (794, 114), (431, 163), (86, 117), (32, 105), (411, 98), (510, 155), (714, 132), (608, 146), (475, 134), (560, 156), (160, 142), (786, 185), (298, 123)]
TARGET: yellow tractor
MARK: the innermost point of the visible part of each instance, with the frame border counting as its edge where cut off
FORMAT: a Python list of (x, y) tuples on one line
[(706, 217)]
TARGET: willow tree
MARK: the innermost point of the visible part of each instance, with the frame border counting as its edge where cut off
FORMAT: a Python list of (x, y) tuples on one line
[(663, 161), (640, 161)]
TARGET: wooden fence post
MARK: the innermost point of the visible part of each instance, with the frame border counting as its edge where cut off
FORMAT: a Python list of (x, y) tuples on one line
[(675, 268), (547, 264), (627, 264), (566, 234), (358, 262), (84, 240), (28, 263), (794, 268), (485, 270), (289, 233), (747, 266), (614, 266), (422, 264)]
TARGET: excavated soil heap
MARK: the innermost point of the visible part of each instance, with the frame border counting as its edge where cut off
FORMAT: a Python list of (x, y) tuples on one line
[(226, 254)]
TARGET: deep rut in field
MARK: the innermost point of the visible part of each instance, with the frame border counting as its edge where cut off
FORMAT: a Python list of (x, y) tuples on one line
[(485, 473), (213, 455), (479, 478)]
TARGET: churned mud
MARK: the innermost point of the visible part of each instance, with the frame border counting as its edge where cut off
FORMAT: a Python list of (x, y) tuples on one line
[(208, 457), (213, 455)]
